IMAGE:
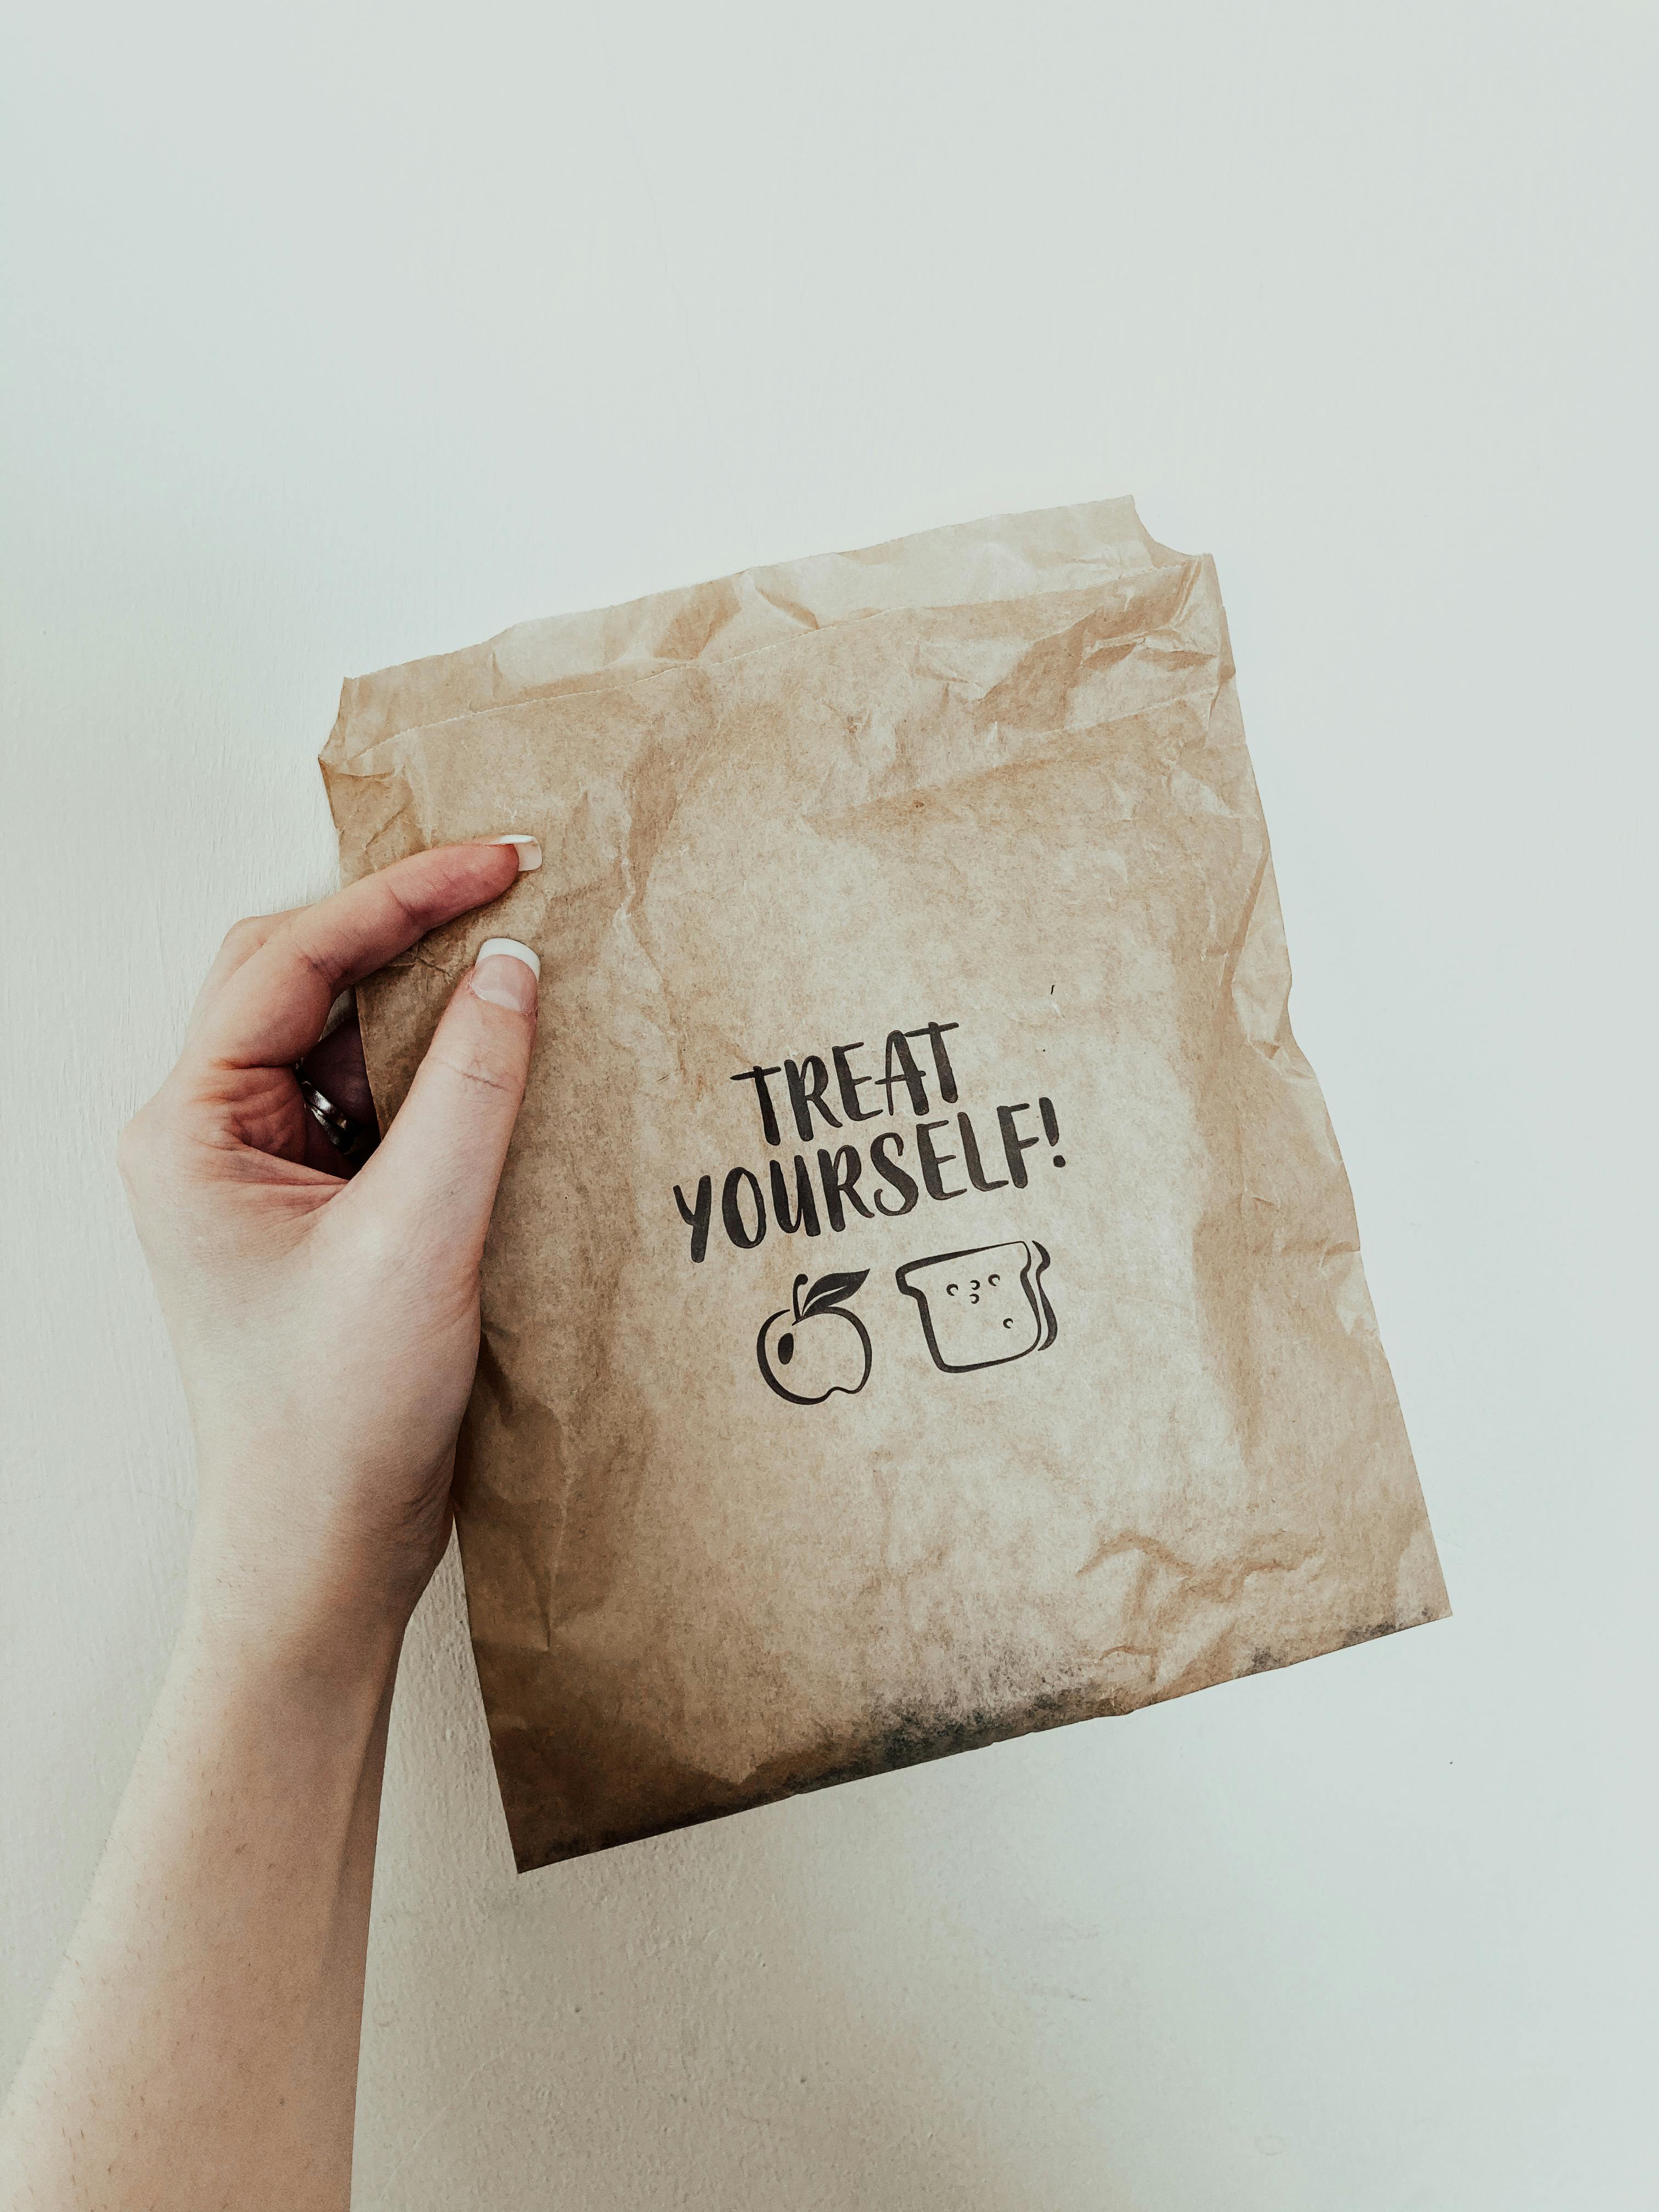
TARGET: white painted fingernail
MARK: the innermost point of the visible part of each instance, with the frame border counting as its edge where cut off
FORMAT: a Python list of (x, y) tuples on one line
[(505, 974), (530, 851), (513, 949)]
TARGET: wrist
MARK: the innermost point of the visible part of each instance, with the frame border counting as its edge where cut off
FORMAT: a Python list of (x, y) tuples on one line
[(316, 1573), (317, 1724), (334, 1648)]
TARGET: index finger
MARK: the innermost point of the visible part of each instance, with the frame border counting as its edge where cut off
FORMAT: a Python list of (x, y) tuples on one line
[(273, 1008)]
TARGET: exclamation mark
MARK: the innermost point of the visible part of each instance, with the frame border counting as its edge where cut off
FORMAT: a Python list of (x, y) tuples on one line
[(1051, 1127)]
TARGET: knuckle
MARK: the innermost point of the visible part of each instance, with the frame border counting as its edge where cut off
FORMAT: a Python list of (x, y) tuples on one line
[(245, 936), (370, 1248), (485, 1041), (136, 1147), (323, 963), (476, 1070), (145, 1148)]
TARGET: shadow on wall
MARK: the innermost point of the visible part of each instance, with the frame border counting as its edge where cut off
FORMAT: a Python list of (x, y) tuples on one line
[(772, 2010)]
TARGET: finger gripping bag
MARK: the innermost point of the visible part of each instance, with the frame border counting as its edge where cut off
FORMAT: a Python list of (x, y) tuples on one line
[(924, 1302)]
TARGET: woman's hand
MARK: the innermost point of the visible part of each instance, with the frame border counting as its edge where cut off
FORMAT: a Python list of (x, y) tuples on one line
[(200, 2046), (327, 1329)]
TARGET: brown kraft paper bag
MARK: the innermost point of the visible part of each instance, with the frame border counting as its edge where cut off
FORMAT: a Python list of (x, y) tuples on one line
[(924, 1302)]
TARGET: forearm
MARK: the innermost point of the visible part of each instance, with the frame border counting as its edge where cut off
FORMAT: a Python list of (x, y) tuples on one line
[(200, 2047)]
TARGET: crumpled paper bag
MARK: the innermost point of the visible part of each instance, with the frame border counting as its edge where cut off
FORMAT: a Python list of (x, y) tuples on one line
[(924, 1302)]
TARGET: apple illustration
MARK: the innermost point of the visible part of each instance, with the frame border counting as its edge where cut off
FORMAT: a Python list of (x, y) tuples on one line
[(803, 1356)]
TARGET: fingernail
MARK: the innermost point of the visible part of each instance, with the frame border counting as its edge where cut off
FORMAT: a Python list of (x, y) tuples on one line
[(505, 974), (530, 851)]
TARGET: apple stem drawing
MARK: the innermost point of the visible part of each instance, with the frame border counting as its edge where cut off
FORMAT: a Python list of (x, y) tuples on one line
[(807, 1361)]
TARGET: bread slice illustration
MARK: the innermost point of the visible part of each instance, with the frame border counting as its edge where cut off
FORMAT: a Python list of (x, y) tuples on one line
[(982, 1307)]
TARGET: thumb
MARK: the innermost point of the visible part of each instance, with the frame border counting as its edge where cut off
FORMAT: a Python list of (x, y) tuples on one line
[(442, 1159)]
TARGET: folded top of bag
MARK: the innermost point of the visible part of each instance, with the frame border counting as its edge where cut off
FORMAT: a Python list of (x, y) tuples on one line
[(1006, 556)]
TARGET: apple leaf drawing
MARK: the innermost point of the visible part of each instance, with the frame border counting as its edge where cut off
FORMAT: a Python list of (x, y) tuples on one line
[(829, 1291)]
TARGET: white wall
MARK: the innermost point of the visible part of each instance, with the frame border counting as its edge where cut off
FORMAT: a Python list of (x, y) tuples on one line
[(344, 333)]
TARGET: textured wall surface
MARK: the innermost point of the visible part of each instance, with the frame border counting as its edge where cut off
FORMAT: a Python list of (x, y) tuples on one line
[(345, 334)]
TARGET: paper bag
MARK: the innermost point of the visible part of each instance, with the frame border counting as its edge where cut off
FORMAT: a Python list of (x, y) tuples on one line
[(924, 1302)]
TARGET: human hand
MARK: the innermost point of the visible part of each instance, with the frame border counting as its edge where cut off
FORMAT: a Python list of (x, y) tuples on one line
[(327, 1328)]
